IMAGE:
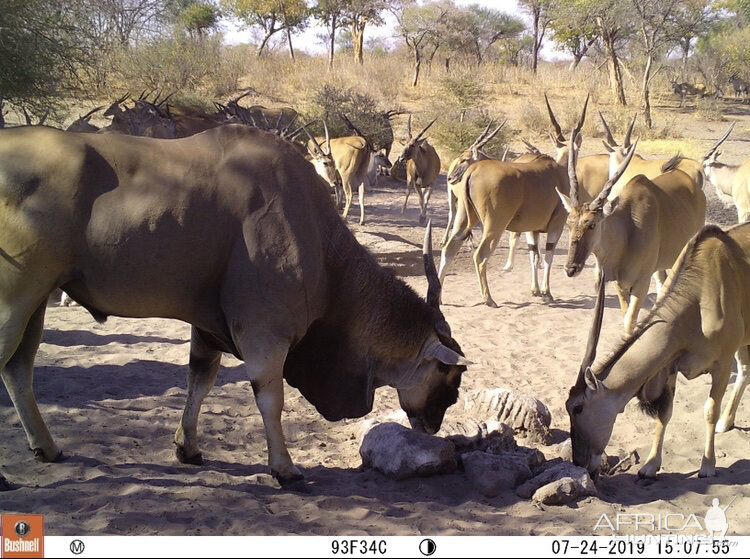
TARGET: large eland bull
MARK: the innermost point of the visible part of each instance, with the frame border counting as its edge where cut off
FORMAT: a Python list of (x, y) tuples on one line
[(232, 231)]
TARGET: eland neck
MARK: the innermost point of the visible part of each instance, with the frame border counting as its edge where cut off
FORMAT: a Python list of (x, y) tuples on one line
[(388, 318), (646, 353)]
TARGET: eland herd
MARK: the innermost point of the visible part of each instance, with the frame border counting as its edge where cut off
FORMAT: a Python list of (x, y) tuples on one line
[(226, 222)]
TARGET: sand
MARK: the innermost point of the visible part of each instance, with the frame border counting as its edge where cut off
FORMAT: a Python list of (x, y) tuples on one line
[(112, 395)]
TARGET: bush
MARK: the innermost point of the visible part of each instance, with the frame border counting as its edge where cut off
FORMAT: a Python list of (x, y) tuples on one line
[(361, 109), (180, 63), (710, 108), (461, 103)]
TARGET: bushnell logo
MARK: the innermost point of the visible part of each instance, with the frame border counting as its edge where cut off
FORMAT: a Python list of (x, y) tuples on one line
[(22, 528)]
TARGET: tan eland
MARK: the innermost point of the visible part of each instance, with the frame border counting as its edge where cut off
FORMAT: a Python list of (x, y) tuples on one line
[(637, 233), (695, 328)]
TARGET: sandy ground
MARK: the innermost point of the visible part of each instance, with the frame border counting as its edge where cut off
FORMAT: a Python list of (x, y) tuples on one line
[(112, 395)]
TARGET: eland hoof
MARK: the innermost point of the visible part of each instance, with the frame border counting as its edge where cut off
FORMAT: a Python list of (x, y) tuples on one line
[(40, 456), (194, 459), (707, 471), (4, 484), (648, 471), (291, 479), (723, 426), (490, 303)]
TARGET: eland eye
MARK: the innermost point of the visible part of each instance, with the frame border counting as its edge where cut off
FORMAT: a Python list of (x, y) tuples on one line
[(577, 409)]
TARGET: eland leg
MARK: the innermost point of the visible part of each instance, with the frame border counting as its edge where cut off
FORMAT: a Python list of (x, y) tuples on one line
[(424, 199), (660, 277), (653, 463), (726, 421), (364, 185), (347, 197), (409, 186), (452, 200), (481, 258), (203, 368), (623, 295), (719, 380), (513, 238), (549, 255), (532, 242), (264, 365), (637, 295), (20, 335), (461, 230)]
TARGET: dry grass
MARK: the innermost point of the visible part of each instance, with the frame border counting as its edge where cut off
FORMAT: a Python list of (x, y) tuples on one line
[(465, 99)]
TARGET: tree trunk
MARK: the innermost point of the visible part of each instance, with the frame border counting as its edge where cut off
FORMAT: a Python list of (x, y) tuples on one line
[(579, 54), (417, 66), (263, 43), (332, 44), (430, 58), (615, 72), (646, 100), (535, 48), (289, 41), (685, 45), (358, 39), (288, 32)]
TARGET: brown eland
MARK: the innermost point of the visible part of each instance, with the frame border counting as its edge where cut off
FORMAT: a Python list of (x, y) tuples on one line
[(233, 232), (346, 159)]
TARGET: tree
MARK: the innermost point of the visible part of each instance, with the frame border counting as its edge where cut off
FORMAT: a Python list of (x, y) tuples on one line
[(612, 23), (416, 24), (655, 20), (330, 13), (540, 19), (483, 27), (356, 15), (271, 16), (130, 20), (692, 19), (198, 18), (574, 30), (40, 55)]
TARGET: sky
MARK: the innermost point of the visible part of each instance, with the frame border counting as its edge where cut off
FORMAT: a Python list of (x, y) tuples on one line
[(309, 41)]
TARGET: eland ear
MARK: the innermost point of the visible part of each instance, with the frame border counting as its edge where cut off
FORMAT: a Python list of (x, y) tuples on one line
[(446, 355), (567, 204), (593, 383)]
